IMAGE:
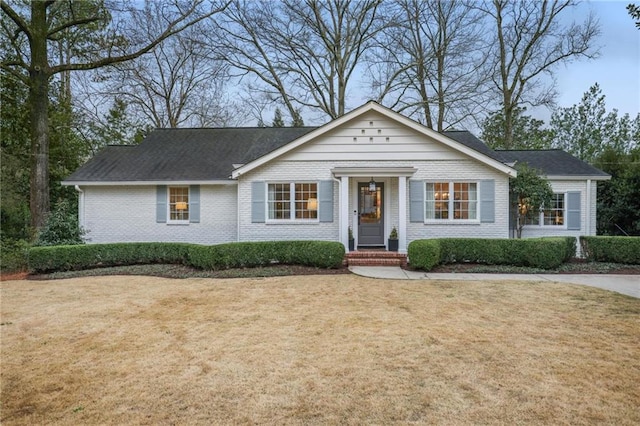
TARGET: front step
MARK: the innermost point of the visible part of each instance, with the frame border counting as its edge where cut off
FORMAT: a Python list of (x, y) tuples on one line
[(376, 258)]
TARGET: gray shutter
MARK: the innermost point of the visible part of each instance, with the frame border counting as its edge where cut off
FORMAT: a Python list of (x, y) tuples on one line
[(487, 201), (258, 200), (325, 198), (161, 203), (573, 210), (416, 201), (194, 204)]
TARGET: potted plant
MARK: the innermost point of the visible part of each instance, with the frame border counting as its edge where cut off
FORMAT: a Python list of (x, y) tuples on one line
[(392, 243), (352, 242)]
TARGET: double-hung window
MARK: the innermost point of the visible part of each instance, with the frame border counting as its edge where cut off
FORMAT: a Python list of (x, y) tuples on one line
[(293, 201), (552, 216), (451, 201), (178, 204)]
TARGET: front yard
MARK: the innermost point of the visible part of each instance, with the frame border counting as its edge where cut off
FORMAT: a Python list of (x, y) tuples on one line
[(316, 350)]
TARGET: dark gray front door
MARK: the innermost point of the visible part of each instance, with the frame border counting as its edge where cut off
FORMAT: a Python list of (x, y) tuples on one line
[(370, 215)]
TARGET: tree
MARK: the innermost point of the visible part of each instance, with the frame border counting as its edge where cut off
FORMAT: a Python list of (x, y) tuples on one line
[(528, 132), (530, 41), (634, 12), (299, 53), (618, 202), (431, 64), (277, 119), (530, 192), (296, 120), (586, 129), (30, 31), (179, 83)]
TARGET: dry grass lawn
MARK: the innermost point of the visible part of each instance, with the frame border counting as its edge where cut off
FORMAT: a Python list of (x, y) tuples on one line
[(316, 350)]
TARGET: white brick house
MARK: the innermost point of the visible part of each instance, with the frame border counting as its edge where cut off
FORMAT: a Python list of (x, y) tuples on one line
[(370, 170)]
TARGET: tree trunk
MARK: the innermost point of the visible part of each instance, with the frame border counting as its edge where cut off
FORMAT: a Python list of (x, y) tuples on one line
[(39, 109)]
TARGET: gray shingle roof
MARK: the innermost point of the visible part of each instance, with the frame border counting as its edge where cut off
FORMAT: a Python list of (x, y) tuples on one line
[(209, 154), (552, 162), (185, 154)]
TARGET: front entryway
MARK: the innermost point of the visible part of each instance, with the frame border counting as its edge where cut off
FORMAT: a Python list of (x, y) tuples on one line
[(370, 214)]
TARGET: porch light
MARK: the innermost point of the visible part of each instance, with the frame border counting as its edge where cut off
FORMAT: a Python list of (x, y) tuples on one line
[(312, 204), (372, 185), (181, 205)]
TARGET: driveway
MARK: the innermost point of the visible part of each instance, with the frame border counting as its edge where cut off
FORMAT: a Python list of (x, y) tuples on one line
[(624, 284)]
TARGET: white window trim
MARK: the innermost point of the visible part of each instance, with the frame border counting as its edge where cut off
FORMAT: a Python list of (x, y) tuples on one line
[(451, 220), (292, 203), (541, 216), (177, 222)]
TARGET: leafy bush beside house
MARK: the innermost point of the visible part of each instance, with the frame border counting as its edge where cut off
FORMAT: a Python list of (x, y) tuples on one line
[(611, 249), (544, 253), (321, 254)]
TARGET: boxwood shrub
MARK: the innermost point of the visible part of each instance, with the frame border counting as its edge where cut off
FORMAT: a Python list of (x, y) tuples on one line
[(611, 249), (321, 254), (544, 253)]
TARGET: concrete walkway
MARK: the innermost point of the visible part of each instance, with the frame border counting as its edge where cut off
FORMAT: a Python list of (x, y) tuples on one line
[(625, 284)]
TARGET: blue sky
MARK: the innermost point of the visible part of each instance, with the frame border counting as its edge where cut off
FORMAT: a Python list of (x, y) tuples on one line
[(617, 70)]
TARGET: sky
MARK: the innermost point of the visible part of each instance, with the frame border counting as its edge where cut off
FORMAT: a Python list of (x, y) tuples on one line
[(617, 70)]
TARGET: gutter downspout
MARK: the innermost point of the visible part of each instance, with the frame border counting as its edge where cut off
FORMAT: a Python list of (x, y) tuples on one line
[(588, 212), (340, 219), (80, 206)]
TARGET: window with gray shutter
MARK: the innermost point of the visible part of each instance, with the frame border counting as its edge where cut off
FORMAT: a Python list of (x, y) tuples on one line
[(258, 201), (487, 201), (573, 211), (416, 201), (161, 204)]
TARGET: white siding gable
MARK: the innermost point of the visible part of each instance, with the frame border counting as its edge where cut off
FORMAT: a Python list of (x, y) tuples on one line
[(372, 136)]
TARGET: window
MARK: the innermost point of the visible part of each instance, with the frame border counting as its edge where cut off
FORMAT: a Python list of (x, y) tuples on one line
[(179, 204), (553, 216), (293, 201), (451, 201)]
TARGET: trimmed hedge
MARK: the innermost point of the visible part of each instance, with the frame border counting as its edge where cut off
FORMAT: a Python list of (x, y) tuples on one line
[(321, 254), (87, 256), (544, 253), (611, 249)]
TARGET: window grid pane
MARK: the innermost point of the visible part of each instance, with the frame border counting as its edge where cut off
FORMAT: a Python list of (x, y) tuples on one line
[(555, 215), (304, 192), (279, 201), (437, 200), (465, 200), (179, 203)]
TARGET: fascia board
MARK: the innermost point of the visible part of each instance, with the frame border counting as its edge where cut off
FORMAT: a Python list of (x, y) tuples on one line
[(148, 182)]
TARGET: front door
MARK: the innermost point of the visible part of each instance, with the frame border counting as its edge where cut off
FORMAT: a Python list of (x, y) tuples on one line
[(370, 215)]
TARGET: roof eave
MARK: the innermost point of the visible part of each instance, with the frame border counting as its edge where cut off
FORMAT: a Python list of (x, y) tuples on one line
[(148, 182), (578, 177)]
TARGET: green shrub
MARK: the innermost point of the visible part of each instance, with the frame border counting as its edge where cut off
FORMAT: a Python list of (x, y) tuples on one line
[(321, 254), (62, 227), (75, 257), (611, 249), (544, 253), (424, 254), (14, 255)]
